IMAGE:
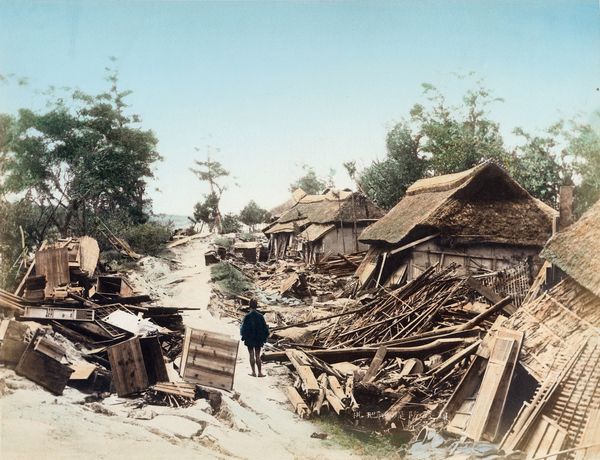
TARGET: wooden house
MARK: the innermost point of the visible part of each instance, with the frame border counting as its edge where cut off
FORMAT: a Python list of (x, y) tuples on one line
[(480, 219), (318, 225)]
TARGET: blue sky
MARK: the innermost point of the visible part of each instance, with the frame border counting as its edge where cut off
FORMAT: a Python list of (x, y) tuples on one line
[(273, 85)]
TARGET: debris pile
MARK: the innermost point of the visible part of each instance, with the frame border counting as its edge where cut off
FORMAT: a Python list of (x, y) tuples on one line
[(402, 352), (66, 324)]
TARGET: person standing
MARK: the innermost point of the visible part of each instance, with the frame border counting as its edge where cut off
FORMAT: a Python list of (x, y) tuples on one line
[(254, 333)]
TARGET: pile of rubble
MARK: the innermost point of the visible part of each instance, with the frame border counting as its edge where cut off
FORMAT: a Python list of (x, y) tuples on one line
[(401, 352), (67, 324)]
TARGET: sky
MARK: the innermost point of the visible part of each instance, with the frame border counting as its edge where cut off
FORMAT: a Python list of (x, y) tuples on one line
[(270, 86)]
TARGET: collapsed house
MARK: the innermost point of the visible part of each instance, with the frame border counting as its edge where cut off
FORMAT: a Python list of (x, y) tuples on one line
[(480, 219), (551, 345), (321, 225)]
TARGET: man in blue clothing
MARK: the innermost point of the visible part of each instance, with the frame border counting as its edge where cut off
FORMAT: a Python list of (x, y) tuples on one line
[(254, 332)]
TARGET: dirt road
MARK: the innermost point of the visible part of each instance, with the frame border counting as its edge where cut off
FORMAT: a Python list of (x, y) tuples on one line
[(254, 421)]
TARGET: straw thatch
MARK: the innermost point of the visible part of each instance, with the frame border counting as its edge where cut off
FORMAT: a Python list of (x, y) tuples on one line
[(281, 209), (315, 232), (332, 207), (576, 250), (481, 204), (288, 227)]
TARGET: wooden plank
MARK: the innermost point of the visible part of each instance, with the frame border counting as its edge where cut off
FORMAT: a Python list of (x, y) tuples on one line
[(394, 411), (58, 314), (309, 381), (499, 360), (499, 402), (334, 401), (43, 370), (375, 365), (547, 437), (300, 406), (89, 253), (336, 388), (21, 287), (490, 294), (591, 435), (127, 366), (321, 397), (13, 343), (54, 264), (209, 358), (82, 371)]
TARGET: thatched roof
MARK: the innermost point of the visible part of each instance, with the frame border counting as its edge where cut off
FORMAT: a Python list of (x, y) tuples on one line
[(332, 207), (316, 231), (480, 204), (576, 250), (297, 195), (287, 227)]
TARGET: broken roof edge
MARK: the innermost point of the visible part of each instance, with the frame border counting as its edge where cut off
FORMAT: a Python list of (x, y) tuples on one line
[(575, 250)]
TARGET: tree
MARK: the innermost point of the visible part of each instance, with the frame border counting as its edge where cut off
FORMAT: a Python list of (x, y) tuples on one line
[(87, 159), (207, 211), (386, 181), (584, 147), (537, 167), (252, 214), (309, 182), (212, 171), (231, 224), (455, 138)]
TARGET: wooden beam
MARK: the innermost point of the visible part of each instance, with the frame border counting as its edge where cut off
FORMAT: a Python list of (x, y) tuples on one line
[(350, 354), (375, 365), (489, 294)]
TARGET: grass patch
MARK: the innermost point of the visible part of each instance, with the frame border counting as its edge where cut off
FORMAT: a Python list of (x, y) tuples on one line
[(367, 444), (229, 279)]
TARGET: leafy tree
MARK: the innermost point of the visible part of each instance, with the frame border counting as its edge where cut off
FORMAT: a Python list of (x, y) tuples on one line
[(309, 182), (231, 224), (206, 211), (455, 138), (252, 214), (386, 181), (87, 159), (212, 171), (584, 147), (537, 166)]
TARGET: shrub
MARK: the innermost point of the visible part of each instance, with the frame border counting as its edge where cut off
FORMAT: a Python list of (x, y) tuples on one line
[(229, 278), (230, 224), (148, 238)]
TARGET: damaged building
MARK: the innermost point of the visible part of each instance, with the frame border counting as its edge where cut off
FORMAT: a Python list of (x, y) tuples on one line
[(321, 225), (539, 370), (480, 219)]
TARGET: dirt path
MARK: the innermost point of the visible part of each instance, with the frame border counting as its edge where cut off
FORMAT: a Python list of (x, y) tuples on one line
[(254, 422)]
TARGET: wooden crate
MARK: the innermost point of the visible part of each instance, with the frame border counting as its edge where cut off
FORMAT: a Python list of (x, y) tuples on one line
[(127, 367), (209, 358)]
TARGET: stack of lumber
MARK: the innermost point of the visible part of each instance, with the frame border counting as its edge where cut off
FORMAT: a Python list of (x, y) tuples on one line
[(340, 265)]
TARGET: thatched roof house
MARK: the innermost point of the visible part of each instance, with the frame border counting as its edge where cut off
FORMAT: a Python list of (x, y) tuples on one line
[(576, 250), (481, 215), (320, 224)]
